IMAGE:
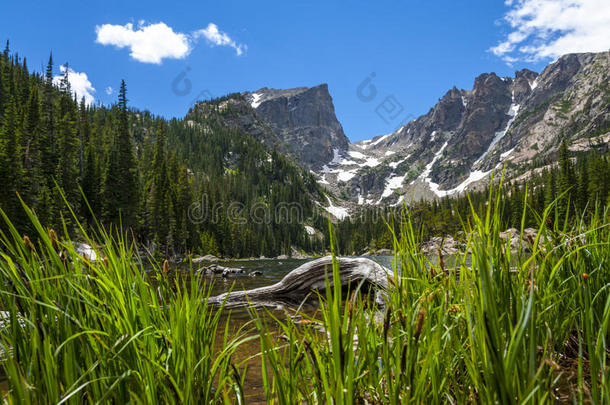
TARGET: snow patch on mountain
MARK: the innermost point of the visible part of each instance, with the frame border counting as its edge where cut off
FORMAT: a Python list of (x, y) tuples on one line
[(338, 212), (428, 169), (512, 111), (356, 154), (392, 184), (256, 100), (346, 175), (394, 165), (369, 142), (474, 176), (504, 155)]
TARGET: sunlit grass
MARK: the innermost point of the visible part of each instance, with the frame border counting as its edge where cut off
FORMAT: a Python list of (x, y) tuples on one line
[(530, 327), (78, 331), (494, 327)]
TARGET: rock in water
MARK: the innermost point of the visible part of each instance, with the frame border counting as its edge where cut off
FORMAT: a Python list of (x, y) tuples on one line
[(302, 281), (206, 258)]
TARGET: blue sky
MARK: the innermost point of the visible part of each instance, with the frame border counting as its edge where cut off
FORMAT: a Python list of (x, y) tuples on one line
[(416, 49)]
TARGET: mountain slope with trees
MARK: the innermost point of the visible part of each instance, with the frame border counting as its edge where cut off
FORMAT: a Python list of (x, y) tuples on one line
[(174, 186)]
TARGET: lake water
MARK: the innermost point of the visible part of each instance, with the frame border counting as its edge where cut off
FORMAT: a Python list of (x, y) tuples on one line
[(272, 270)]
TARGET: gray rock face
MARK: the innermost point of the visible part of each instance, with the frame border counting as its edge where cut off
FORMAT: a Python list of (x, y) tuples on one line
[(300, 122), (304, 119), (522, 84), (501, 123)]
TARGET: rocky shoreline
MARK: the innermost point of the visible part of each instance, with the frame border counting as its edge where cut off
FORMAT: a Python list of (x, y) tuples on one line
[(447, 245)]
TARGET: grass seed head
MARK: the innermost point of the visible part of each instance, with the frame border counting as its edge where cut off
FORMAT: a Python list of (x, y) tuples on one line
[(441, 262), (421, 318), (27, 242), (54, 239)]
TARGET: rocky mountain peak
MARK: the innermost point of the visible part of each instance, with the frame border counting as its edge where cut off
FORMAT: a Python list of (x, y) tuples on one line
[(304, 118)]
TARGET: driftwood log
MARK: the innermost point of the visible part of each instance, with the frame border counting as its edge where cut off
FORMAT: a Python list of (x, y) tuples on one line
[(301, 282)]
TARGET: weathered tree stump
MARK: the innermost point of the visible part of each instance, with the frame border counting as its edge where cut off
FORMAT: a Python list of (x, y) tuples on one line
[(297, 285)]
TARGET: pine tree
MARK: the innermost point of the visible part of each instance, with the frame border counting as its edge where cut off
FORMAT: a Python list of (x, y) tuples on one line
[(582, 199), (120, 180), (160, 189), (566, 181), (3, 85), (90, 186), (30, 142), (11, 169), (67, 143), (83, 135), (598, 180), (47, 143)]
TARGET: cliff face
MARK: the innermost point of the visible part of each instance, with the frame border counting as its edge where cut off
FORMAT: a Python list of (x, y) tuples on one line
[(514, 123), (299, 122), (304, 119)]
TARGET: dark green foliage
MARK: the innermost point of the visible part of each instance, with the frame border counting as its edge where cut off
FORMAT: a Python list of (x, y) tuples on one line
[(120, 183), (165, 183)]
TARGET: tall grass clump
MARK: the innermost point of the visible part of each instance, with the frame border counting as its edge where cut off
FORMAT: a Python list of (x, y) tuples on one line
[(107, 331), (495, 326)]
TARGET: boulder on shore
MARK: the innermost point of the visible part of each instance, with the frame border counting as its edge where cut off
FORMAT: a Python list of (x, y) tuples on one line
[(219, 270), (206, 258), (447, 245), (86, 251), (514, 236)]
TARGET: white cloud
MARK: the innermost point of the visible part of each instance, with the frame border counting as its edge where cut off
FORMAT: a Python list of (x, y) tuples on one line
[(148, 43), (154, 42), (216, 37), (545, 29), (109, 90), (79, 84)]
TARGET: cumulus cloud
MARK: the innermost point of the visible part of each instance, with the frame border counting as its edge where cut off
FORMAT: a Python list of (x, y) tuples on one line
[(216, 37), (154, 42), (148, 43), (109, 90), (79, 84), (547, 29)]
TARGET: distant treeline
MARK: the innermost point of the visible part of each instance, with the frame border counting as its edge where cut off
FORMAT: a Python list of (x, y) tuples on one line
[(578, 183)]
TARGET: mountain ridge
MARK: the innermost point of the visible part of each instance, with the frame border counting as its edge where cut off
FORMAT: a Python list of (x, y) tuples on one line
[(512, 123)]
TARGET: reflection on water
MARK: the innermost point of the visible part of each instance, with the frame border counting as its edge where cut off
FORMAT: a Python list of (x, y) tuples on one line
[(272, 272)]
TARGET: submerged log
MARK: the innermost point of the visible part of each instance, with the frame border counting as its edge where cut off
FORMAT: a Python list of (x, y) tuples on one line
[(301, 282)]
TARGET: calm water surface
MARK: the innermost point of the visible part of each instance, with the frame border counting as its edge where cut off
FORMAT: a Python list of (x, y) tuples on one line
[(273, 270)]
